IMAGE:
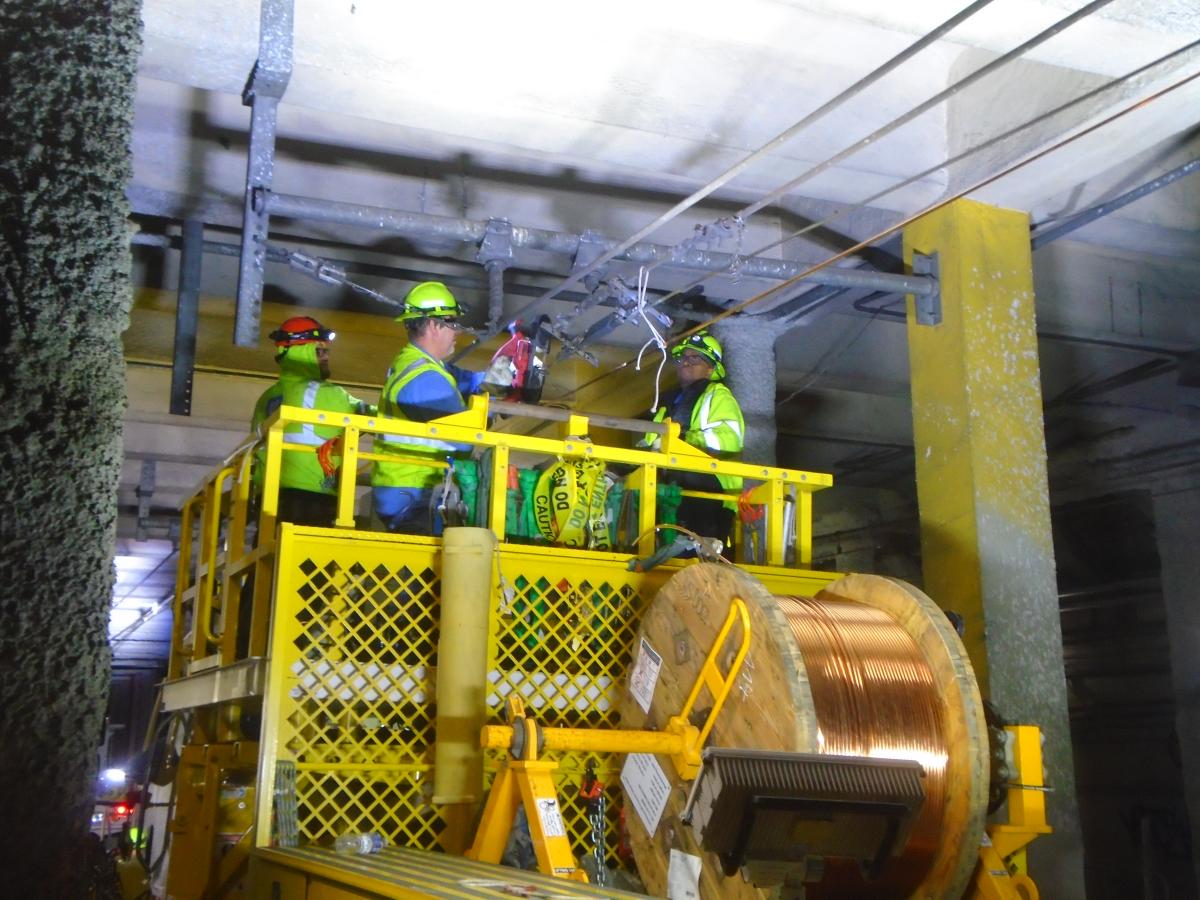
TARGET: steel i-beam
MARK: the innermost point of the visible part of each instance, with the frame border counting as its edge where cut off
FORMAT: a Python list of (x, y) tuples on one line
[(187, 309)]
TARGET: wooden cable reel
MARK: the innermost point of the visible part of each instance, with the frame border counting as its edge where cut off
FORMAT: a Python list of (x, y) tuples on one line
[(870, 666)]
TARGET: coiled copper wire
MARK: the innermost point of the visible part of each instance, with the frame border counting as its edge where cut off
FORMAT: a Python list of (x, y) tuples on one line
[(873, 695)]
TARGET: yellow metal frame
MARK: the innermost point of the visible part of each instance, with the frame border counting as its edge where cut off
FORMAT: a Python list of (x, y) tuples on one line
[(1002, 873), (682, 740), (687, 762), (209, 583), (525, 780), (598, 613), (527, 783), (194, 874), (470, 427)]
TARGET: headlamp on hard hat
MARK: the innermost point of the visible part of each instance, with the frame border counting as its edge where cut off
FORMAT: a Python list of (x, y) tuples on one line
[(301, 330), (705, 345)]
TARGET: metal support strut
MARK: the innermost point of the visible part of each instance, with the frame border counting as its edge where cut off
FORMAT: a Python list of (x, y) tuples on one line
[(264, 89), (187, 311), (496, 254)]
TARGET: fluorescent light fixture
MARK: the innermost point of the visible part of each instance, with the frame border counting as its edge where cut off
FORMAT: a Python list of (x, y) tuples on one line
[(114, 776)]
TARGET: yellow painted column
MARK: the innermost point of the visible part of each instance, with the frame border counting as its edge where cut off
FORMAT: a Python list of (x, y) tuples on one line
[(982, 489), (462, 679)]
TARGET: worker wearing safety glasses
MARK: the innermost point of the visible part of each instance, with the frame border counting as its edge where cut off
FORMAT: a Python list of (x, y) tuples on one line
[(711, 420), (420, 386)]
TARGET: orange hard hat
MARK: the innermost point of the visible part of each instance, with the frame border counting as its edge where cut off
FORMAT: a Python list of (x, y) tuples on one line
[(301, 330)]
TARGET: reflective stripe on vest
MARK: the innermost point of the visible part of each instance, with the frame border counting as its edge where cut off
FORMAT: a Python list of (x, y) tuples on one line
[(416, 441), (711, 441), (307, 434), (391, 408)]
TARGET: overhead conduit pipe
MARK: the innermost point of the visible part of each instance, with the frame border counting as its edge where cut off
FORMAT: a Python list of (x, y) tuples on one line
[(424, 225)]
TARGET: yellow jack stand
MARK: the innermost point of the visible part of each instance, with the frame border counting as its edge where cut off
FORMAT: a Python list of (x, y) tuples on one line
[(1001, 874), (525, 781)]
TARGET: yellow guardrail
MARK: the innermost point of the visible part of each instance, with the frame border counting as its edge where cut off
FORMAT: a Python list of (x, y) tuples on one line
[(777, 486), (212, 583)]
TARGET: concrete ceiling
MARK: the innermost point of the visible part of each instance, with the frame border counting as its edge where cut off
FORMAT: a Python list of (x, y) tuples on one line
[(578, 118)]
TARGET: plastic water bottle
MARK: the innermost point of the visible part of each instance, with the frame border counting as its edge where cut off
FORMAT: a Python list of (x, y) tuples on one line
[(362, 844)]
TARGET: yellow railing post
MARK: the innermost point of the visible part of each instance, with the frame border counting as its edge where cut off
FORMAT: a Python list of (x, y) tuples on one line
[(645, 481), (348, 479), (183, 582), (804, 532), (270, 494), (498, 501), (233, 573), (202, 633)]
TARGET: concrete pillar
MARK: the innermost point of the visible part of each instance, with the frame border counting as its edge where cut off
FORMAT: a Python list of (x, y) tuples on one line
[(67, 104), (749, 347), (983, 494), (1176, 524)]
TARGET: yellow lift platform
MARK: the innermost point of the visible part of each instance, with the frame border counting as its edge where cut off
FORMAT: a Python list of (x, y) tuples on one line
[(354, 698)]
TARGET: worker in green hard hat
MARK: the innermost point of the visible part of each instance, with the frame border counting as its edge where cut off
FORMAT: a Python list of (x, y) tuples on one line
[(711, 420), (420, 386)]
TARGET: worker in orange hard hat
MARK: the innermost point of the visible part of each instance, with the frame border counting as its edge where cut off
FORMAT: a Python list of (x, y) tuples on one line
[(307, 492)]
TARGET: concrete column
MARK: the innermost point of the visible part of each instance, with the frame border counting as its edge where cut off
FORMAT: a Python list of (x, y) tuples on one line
[(749, 347), (67, 105), (983, 494), (1176, 524)]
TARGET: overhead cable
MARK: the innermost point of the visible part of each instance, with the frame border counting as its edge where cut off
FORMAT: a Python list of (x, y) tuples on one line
[(773, 144), (953, 160), (922, 108), (907, 220), (958, 195), (896, 123)]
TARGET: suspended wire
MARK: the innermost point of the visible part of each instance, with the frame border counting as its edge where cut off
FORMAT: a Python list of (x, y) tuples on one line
[(907, 220), (958, 195), (900, 121), (747, 211), (950, 161), (832, 352), (146, 577), (773, 144), (922, 108)]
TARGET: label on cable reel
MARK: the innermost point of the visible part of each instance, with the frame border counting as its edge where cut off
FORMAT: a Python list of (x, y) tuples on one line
[(644, 676), (647, 788), (683, 876)]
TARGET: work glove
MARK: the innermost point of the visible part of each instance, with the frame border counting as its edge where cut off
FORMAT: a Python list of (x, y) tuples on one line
[(500, 373)]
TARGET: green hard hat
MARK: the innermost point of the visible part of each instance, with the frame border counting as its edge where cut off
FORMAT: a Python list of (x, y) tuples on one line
[(707, 346), (430, 299)]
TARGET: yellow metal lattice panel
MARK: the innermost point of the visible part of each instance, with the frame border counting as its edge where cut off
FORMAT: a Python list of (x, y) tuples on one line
[(353, 671), (563, 633), (354, 650)]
